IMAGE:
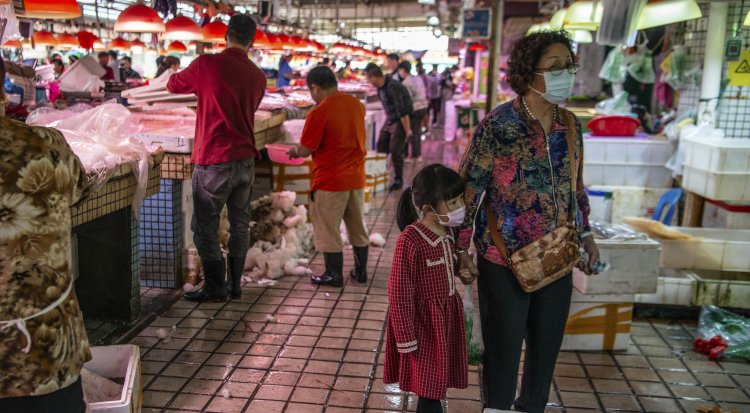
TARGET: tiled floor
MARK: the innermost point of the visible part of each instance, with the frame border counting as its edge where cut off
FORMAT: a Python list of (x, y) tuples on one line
[(322, 351)]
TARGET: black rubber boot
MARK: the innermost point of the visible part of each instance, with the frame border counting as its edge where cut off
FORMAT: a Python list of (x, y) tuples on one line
[(213, 289), (359, 272), (333, 275), (234, 276), (398, 183)]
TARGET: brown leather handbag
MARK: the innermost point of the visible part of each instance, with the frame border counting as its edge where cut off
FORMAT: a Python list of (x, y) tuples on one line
[(550, 257)]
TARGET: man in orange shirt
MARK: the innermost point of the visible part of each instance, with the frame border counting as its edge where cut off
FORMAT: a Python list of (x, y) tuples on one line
[(334, 134)]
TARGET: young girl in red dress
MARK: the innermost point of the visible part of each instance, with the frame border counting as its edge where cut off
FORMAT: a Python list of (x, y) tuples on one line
[(426, 341)]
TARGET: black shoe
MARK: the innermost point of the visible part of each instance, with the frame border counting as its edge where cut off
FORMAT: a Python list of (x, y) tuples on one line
[(397, 185), (334, 268), (234, 276), (213, 289), (359, 272)]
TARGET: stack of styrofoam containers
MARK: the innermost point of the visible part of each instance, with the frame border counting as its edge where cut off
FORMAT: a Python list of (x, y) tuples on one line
[(115, 362), (602, 305), (718, 214), (627, 161), (717, 168), (675, 287)]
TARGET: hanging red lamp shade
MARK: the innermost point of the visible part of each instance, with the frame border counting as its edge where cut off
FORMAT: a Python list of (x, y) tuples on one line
[(44, 38), (139, 18), (261, 41), (86, 39), (51, 9), (137, 46), (216, 31), (477, 47), (119, 44), (67, 41), (274, 43), (177, 47), (284, 42), (182, 28), (99, 44), (12, 44), (298, 43)]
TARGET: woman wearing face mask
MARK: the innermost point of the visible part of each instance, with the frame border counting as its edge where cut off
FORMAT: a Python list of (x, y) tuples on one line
[(426, 341), (521, 188)]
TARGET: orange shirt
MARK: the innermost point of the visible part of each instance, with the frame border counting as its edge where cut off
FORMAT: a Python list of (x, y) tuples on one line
[(335, 132)]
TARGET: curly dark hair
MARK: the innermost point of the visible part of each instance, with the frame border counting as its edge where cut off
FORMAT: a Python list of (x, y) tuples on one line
[(526, 53)]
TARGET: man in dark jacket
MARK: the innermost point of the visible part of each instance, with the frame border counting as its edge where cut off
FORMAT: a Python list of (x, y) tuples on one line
[(397, 130)]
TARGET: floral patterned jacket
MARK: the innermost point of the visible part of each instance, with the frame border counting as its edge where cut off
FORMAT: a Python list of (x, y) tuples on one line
[(40, 178), (525, 180)]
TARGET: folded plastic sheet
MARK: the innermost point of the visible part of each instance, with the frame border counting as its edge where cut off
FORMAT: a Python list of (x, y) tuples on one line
[(102, 138)]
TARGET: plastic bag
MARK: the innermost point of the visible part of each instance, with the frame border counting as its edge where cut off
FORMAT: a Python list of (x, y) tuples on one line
[(614, 70), (11, 25), (474, 343), (642, 66), (617, 105), (101, 137), (678, 72), (735, 329), (605, 230)]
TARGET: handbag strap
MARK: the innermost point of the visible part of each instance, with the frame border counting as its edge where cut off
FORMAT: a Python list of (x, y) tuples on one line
[(492, 224)]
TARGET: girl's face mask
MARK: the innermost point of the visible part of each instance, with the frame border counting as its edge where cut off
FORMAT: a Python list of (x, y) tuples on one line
[(455, 218)]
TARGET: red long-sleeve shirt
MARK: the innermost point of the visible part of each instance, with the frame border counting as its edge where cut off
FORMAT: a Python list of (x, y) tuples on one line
[(229, 88)]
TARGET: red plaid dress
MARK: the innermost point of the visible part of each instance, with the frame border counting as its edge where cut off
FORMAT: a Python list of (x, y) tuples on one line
[(426, 341)]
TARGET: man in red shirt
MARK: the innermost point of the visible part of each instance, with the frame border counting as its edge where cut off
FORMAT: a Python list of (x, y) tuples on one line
[(229, 88), (334, 134), (104, 62)]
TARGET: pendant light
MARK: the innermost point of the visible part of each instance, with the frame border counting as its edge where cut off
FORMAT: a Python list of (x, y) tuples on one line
[(584, 15), (664, 12), (67, 41), (51, 9), (12, 44), (44, 38), (99, 44), (177, 47), (119, 44), (558, 19), (139, 18), (285, 42), (273, 42), (137, 46), (747, 19), (261, 41), (216, 31), (182, 28)]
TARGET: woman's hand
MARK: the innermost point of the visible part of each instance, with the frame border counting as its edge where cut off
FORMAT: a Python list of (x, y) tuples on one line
[(589, 245), (467, 270)]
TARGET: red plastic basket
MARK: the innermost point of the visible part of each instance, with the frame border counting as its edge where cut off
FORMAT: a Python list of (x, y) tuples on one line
[(613, 126)]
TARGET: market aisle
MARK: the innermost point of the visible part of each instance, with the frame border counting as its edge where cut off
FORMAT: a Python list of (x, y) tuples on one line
[(322, 352)]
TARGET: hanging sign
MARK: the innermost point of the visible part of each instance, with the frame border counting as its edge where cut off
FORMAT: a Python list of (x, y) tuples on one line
[(739, 71), (477, 24)]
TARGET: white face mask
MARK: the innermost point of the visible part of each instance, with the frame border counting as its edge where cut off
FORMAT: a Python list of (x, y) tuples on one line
[(559, 88), (455, 218)]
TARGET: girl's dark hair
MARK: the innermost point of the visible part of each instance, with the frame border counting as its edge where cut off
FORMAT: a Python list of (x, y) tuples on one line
[(526, 53), (433, 184)]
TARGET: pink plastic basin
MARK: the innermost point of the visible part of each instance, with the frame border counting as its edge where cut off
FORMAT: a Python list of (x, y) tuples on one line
[(277, 153)]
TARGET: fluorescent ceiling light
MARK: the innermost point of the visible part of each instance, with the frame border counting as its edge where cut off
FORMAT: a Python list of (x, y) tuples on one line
[(666, 12), (583, 15)]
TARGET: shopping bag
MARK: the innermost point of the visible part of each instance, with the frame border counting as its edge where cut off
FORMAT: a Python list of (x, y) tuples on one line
[(732, 328), (474, 344)]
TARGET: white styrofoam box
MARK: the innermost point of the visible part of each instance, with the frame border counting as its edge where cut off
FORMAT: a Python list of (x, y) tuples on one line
[(598, 322), (45, 72), (675, 287), (187, 213), (717, 155), (634, 268), (297, 185), (717, 214), (376, 164), (378, 183), (717, 186), (116, 362), (172, 144), (628, 174), (79, 74), (601, 205), (716, 249), (624, 150), (722, 288)]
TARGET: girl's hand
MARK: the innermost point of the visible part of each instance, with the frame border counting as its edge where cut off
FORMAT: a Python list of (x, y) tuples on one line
[(466, 276), (466, 261)]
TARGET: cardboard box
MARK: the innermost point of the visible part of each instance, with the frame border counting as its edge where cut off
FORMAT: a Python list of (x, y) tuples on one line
[(598, 322), (376, 164)]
